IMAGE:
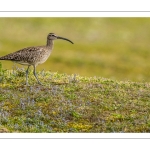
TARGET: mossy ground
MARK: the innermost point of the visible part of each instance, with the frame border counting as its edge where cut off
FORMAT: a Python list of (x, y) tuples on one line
[(72, 103), (111, 92)]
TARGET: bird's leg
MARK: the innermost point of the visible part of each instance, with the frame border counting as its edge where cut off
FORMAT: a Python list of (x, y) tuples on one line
[(27, 71), (34, 72)]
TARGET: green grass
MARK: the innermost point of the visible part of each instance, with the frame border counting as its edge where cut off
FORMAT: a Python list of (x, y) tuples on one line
[(99, 84), (72, 103)]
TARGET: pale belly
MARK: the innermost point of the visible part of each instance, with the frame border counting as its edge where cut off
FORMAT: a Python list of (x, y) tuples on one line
[(43, 58)]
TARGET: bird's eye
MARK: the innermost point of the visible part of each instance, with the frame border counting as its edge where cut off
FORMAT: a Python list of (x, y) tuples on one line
[(51, 35)]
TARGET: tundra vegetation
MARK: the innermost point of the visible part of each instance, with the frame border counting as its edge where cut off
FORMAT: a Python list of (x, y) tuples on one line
[(99, 84)]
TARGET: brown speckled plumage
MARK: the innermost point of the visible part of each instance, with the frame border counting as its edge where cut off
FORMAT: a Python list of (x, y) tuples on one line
[(33, 56), (29, 55)]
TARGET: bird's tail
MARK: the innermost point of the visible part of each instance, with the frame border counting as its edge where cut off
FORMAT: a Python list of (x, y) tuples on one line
[(6, 57)]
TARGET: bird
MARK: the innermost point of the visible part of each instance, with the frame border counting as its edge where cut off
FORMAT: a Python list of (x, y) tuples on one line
[(34, 56)]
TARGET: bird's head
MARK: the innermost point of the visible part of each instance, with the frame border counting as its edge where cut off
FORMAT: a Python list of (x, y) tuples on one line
[(52, 36)]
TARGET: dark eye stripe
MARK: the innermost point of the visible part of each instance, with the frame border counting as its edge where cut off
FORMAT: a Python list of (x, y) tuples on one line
[(51, 35)]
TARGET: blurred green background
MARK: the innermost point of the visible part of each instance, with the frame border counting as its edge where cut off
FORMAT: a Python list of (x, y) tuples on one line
[(116, 48)]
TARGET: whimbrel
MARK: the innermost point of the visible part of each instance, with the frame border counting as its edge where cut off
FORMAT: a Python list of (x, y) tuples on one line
[(33, 56)]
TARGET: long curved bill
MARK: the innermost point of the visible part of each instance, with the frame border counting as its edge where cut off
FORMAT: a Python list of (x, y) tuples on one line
[(58, 37)]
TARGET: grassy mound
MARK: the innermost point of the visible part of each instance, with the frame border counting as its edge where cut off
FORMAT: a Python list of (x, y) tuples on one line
[(72, 103)]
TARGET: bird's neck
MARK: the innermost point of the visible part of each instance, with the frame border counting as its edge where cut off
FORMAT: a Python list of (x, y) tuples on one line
[(50, 43)]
